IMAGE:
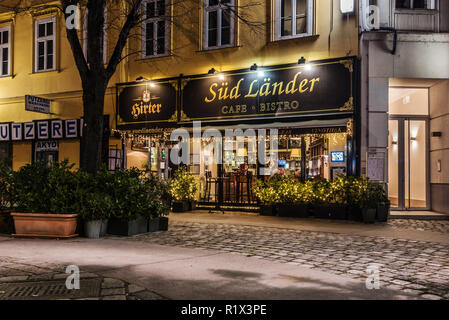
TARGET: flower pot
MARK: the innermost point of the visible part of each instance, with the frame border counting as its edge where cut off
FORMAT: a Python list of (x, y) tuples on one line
[(322, 211), (104, 227), (337, 211), (46, 225), (163, 223), (124, 227), (267, 210), (192, 205), (92, 229), (180, 206), (153, 224), (6, 223), (298, 210), (382, 213), (369, 215), (355, 214)]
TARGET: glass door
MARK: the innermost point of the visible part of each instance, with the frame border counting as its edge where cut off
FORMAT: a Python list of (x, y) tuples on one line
[(407, 163)]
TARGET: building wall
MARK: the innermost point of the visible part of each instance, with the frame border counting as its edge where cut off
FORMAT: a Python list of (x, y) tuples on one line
[(418, 56), (439, 146)]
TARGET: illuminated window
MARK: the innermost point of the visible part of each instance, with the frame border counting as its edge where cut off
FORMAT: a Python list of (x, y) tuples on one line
[(218, 24), (45, 44), (293, 18), (5, 50), (155, 28)]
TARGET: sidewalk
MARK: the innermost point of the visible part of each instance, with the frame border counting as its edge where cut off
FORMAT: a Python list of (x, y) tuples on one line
[(311, 224)]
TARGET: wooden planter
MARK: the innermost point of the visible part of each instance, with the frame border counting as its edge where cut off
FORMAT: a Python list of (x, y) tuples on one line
[(45, 225)]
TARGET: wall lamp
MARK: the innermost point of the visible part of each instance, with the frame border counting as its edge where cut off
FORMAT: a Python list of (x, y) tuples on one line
[(253, 67), (212, 71), (436, 134), (302, 60), (140, 79)]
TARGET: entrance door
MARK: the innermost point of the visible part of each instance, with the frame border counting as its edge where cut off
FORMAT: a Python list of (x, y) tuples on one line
[(408, 181)]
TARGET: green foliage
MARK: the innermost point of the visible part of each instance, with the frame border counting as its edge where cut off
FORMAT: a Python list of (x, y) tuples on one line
[(182, 185), (346, 191), (126, 194)]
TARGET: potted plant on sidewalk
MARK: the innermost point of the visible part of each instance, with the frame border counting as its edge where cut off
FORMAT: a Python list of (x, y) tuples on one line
[(368, 202), (291, 203), (183, 189), (44, 200), (319, 198), (267, 195), (95, 209)]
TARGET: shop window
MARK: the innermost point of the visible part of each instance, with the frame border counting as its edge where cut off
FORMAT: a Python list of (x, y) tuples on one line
[(293, 18), (415, 4), (218, 24), (5, 50), (155, 28), (45, 44), (105, 35)]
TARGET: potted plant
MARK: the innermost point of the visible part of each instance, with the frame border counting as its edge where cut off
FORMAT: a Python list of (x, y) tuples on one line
[(132, 203), (44, 200), (355, 190), (183, 189), (95, 209), (383, 204), (338, 197), (319, 198), (267, 195), (291, 201), (368, 202)]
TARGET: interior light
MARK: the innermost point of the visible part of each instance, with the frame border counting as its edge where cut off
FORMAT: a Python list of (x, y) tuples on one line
[(346, 6)]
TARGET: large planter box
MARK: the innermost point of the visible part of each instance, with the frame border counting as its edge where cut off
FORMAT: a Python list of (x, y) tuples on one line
[(6, 223), (163, 223), (369, 215), (330, 211), (298, 210), (153, 224), (192, 205), (322, 211), (46, 225), (382, 213), (123, 227), (267, 210), (181, 206), (355, 214)]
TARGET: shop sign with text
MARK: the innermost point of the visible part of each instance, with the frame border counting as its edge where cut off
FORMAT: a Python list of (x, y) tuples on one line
[(41, 129), (320, 87), (145, 103)]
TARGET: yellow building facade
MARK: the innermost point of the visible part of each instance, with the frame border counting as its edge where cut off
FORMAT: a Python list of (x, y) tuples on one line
[(266, 33)]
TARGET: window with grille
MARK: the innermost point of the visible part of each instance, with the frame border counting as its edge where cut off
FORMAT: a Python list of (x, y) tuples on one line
[(293, 18), (218, 23), (156, 28), (5, 50), (45, 44)]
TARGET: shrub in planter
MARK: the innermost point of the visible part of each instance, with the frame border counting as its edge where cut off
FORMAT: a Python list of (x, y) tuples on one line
[(163, 223), (290, 198), (182, 188), (95, 209), (44, 198), (267, 195), (317, 194), (137, 199)]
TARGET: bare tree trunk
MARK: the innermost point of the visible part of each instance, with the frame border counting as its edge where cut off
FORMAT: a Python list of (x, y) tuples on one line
[(91, 144)]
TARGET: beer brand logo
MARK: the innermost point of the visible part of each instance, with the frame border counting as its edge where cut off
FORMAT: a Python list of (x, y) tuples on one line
[(146, 96)]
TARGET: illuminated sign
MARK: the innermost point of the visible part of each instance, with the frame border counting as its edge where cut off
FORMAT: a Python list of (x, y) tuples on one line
[(337, 156)]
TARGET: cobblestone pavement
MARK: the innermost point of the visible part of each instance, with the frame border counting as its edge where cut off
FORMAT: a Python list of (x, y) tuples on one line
[(441, 226), (416, 267), (17, 272)]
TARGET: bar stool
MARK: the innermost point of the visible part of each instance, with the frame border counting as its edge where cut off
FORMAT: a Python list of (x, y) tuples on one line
[(243, 180), (208, 187), (228, 182)]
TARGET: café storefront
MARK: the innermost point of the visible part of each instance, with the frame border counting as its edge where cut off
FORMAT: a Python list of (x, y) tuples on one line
[(313, 106)]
